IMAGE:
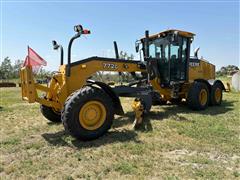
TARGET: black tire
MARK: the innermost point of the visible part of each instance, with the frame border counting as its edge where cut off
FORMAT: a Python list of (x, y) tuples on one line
[(73, 105), (49, 114), (214, 101), (193, 99)]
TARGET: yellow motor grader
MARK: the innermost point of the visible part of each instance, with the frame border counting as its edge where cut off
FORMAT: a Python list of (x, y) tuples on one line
[(165, 73)]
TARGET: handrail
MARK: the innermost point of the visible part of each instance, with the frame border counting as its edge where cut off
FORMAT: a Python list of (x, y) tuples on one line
[(69, 52)]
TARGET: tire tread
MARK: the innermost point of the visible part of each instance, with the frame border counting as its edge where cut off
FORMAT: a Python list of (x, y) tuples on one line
[(78, 98)]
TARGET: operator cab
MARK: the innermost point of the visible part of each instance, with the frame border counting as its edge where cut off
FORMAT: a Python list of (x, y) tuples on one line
[(167, 55)]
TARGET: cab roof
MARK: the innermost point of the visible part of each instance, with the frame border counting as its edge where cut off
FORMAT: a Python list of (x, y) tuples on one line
[(163, 33)]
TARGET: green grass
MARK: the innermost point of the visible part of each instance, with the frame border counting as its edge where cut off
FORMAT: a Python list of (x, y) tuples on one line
[(173, 143)]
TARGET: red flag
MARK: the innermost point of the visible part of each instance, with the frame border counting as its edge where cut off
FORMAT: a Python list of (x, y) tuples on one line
[(26, 62), (33, 59)]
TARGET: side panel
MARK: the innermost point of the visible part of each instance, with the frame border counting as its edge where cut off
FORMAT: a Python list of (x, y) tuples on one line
[(81, 72), (200, 69)]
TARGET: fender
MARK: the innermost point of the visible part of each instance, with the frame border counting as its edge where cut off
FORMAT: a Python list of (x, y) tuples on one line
[(107, 89), (210, 83), (214, 81), (205, 82)]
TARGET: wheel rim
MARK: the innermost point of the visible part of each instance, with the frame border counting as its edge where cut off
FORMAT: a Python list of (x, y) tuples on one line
[(203, 95), (92, 115), (218, 94)]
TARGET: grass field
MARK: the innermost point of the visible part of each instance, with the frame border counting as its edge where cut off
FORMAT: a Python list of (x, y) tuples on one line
[(174, 143)]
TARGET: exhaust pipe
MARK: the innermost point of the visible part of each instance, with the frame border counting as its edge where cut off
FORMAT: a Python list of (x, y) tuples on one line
[(147, 44), (116, 49)]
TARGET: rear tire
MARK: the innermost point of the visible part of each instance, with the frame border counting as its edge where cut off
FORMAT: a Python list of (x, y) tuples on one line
[(88, 113), (198, 96), (50, 114), (216, 94)]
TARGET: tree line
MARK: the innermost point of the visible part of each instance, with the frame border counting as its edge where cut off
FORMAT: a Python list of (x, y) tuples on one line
[(227, 70), (10, 70)]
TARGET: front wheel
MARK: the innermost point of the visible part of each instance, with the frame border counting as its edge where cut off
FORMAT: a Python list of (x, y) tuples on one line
[(50, 114), (88, 113)]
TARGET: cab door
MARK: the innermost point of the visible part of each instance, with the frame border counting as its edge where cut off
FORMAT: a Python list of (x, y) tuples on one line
[(179, 57), (168, 60), (159, 56)]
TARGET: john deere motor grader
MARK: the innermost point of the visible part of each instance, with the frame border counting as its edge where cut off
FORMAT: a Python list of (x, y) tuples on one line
[(87, 107)]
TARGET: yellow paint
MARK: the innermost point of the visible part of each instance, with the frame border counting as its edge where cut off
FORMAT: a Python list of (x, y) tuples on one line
[(60, 86), (92, 115), (28, 85), (203, 96), (218, 94), (165, 92), (79, 76), (138, 108), (41, 87), (180, 32), (205, 70)]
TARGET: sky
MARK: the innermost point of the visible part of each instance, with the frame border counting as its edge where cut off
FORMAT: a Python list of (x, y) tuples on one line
[(37, 23)]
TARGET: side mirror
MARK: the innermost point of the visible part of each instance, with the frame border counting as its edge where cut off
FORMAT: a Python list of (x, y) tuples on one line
[(55, 45)]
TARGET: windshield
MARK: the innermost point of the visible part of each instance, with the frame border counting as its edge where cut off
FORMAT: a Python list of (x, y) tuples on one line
[(158, 48)]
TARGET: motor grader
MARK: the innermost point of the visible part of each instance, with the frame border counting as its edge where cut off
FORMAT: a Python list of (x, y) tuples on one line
[(165, 73)]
